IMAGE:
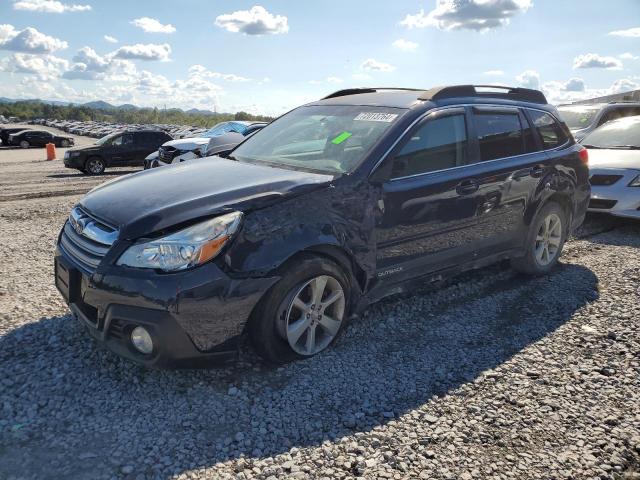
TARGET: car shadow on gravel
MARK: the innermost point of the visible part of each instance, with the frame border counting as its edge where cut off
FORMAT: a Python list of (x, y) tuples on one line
[(82, 175), (74, 410)]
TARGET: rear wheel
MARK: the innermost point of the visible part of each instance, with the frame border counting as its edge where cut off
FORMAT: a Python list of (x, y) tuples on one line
[(25, 144), (94, 166), (303, 313), (545, 240)]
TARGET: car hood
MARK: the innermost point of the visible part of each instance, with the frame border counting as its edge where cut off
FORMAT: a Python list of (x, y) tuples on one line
[(614, 158), (187, 143), (154, 200), (85, 148)]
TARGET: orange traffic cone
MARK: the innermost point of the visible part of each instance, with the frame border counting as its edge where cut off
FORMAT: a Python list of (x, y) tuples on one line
[(51, 151)]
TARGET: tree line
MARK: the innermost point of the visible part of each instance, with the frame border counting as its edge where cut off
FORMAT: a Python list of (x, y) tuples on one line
[(30, 110)]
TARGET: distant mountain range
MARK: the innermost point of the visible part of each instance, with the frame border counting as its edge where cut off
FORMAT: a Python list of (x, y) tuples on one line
[(99, 105)]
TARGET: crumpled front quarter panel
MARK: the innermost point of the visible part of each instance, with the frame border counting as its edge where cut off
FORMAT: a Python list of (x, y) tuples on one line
[(341, 215)]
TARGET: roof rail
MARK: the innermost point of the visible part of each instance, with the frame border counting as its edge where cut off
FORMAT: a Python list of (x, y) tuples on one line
[(509, 93), (355, 91)]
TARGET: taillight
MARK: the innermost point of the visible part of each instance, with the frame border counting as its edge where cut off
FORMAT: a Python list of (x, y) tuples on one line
[(584, 156)]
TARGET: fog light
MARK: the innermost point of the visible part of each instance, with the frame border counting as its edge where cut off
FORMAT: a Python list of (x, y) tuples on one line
[(142, 340)]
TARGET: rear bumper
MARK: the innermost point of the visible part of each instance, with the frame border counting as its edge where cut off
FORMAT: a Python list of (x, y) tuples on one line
[(194, 317)]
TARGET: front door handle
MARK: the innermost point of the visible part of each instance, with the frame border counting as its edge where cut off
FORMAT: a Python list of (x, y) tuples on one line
[(467, 187)]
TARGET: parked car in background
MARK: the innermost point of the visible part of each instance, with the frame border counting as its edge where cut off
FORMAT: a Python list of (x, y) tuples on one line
[(122, 149), (223, 136), (5, 132), (583, 119), (614, 156), (39, 138), (386, 187)]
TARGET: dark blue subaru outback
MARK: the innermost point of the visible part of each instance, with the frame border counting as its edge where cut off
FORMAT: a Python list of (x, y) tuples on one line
[(329, 208)]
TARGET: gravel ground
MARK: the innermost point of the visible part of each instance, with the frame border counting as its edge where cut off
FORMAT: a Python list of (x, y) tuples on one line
[(493, 375)]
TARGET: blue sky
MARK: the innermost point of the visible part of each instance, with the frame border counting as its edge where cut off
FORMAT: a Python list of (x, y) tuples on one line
[(269, 56)]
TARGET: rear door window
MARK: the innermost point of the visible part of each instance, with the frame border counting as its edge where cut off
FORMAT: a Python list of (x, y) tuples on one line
[(500, 134), (551, 133), (437, 144)]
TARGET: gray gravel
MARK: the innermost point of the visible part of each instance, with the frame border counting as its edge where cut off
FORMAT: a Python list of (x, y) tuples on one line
[(493, 375)]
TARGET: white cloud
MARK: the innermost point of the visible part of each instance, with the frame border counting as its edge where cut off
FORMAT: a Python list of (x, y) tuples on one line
[(478, 15), (48, 6), (45, 67), (630, 33), (574, 84), (28, 40), (628, 56), (529, 79), (140, 51), (593, 60), (560, 92), (110, 39), (257, 21), (372, 64), (203, 72), (406, 45), (493, 73), (89, 65), (151, 25)]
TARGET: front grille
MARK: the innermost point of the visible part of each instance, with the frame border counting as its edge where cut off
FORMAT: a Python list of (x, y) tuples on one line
[(166, 154), (598, 203), (604, 180), (86, 240)]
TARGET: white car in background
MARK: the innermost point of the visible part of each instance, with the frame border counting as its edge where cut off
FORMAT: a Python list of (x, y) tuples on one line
[(614, 168), (224, 136)]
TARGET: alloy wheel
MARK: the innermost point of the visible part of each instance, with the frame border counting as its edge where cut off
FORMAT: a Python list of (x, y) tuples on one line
[(94, 166), (548, 239), (313, 315)]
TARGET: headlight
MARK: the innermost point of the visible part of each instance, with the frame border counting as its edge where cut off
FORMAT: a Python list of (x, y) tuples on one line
[(73, 154), (187, 248), (635, 182)]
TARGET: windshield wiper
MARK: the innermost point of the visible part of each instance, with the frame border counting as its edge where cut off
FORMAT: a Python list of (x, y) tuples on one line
[(626, 147), (590, 146)]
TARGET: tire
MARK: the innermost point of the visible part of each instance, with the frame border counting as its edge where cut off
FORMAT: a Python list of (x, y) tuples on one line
[(272, 327), (94, 166), (64, 143), (24, 144), (547, 234)]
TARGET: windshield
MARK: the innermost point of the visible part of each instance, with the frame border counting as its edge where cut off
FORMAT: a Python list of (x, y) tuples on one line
[(578, 117), (623, 133), (225, 127), (325, 138), (105, 140)]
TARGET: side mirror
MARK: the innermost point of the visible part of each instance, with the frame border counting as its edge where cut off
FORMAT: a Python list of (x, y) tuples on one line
[(381, 173)]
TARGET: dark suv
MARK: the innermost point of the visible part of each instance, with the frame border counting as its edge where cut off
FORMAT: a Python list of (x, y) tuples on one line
[(121, 149), (329, 208)]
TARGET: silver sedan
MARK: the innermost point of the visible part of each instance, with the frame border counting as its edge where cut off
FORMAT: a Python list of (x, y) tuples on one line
[(614, 166)]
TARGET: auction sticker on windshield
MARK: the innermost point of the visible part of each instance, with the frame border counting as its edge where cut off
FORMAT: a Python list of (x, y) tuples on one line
[(376, 117)]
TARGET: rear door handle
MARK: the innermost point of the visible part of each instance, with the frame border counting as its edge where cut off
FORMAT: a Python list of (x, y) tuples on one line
[(467, 187)]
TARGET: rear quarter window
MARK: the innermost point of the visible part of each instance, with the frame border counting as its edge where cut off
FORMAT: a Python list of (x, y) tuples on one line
[(551, 133)]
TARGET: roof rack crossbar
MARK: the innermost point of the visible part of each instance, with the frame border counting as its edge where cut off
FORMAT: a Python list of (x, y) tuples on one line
[(509, 93)]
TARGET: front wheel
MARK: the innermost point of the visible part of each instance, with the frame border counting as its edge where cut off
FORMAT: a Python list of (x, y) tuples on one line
[(94, 166), (24, 144), (64, 143), (545, 240), (303, 313)]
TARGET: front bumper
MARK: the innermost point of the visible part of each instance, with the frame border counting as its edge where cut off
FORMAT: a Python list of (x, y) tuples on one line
[(195, 317), (617, 199), (73, 162)]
